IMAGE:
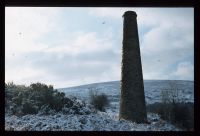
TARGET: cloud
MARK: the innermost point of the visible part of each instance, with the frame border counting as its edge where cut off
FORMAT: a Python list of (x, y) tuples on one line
[(185, 70), (83, 57), (167, 44), (146, 16), (24, 25), (167, 38), (51, 46), (82, 43)]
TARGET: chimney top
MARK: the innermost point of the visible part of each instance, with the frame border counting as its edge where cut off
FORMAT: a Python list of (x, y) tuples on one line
[(130, 13)]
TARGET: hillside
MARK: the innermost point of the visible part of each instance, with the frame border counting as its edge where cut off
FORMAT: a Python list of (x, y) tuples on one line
[(85, 118), (152, 89)]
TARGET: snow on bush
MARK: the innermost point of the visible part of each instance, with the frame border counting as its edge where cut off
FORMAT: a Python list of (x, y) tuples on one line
[(100, 101), (80, 116), (83, 117), (91, 122)]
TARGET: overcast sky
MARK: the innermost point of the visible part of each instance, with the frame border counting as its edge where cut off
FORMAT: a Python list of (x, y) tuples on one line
[(75, 46)]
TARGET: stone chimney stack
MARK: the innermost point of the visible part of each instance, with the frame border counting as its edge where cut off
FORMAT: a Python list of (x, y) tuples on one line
[(132, 103)]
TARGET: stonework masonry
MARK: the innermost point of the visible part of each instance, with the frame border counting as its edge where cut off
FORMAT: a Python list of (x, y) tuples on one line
[(132, 102)]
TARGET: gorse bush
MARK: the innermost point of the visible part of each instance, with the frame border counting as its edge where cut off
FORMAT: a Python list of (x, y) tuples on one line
[(29, 108), (100, 101), (20, 99), (41, 99)]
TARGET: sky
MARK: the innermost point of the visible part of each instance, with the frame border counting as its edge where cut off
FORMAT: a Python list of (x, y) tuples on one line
[(68, 46)]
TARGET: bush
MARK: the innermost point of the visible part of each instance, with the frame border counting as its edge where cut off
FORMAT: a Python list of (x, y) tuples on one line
[(46, 95), (180, 114), (29, 108), (98, 100), (176, 110), (184, 115), (39, 98), (29, 100), (12, 90), (172, 108), (46, 110)]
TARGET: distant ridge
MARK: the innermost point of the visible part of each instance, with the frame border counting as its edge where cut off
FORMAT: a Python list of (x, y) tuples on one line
[(152, 89), (108, 82)]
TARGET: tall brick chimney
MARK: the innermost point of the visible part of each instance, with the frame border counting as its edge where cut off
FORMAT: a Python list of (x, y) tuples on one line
[(132, 103)]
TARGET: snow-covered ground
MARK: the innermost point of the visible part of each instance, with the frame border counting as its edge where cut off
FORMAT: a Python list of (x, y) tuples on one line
[(101, 121)]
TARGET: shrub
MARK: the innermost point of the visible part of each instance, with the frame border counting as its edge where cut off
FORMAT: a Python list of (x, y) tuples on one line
[(46, 110), (28, 100), (41, 92), (163, 109), (46, 95), (184, 115), (169, 98), (40, 98), (12, 90), (29, 108), (180, 114), (98, 100), (172, 108)]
